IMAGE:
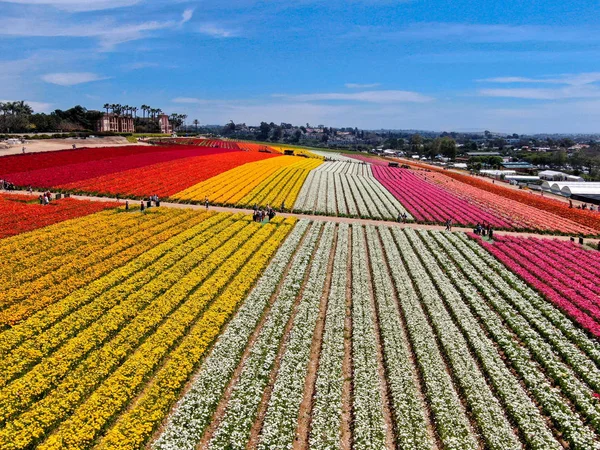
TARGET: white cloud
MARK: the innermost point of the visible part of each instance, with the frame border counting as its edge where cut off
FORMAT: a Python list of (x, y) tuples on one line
[(78, 5), (389, 96), (187, 15), (71, 78), (476, 33), (586, 91), (190, 100), (570, 79), (362, 86), (217, 31)]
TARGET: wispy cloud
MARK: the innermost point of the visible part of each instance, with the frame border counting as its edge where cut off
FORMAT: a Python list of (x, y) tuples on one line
[(109, 31), (187, 16), (78, 5), (71, 78), (389, 96), (362, 86), (189, 100), (475, 33), (218, 31), (587, 91), (570, 79)]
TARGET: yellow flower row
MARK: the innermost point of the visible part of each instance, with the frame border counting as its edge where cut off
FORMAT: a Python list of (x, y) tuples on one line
[(76, 245), (81, 429), (22, 301), (137, 305), (72, 379), (135, 427), (283, 186), (231, 186), (17, 251), (153, 248), (95, 305)]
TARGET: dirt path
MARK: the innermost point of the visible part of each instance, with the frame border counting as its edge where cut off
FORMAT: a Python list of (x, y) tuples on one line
[(52, 145), (590, 241)]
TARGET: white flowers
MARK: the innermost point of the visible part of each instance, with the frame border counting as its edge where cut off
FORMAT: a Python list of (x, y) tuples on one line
[(347, 189)]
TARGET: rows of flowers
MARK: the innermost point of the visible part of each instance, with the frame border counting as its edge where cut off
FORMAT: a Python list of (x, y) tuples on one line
[(167, 178), (234, 428), (154, 249), (231, 187), (326, 418), (508, 318), (334, 188), (487, 409), (572, 288), (193, 412), (409, 411), (281, 416), (520, 215), (22, 213), (369, 429), (135, 427), (72, 172), (429, 203), (282, 187), (91, 309), (113, 370), (20, 301), (449, 415)]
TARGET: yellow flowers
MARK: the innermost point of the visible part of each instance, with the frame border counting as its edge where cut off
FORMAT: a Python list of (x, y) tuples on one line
[(125, 324), (230, 187), (282, 186)]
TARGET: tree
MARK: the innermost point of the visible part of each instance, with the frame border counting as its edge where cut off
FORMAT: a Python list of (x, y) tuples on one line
[(448, 147), (276, 134), (415, 142), (263, 131), (196, 123)]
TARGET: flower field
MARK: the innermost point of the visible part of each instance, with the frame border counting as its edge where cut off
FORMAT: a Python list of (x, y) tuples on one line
[(231, 187), (443, 347), (104, 358), (167, 178), (347, 189), (430, 203), (566, 274), (21, 213)]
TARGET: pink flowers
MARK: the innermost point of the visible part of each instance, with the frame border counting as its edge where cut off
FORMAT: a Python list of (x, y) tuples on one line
[(429, 203), (566, 274)]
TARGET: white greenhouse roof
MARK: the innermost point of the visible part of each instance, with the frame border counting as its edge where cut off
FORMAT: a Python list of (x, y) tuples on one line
[(581, 190)]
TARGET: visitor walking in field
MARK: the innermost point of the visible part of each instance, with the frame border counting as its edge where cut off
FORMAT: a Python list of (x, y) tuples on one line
[(206, 202)]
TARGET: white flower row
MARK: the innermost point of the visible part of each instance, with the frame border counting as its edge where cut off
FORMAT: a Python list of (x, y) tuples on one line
[(486, 409), (335, 156), (281, 418), (548, 346), (327, 409), (547, 319), (369, 426), (450, 420), (194, 411), (516, 401), (526, 359), (409, 412), (234, 430), (333, 189)]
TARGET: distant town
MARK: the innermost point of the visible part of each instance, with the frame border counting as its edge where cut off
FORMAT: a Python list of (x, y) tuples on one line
[(573, 155)]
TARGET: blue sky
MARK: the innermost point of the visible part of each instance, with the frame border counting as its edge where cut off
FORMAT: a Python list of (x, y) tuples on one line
[(508, 66)]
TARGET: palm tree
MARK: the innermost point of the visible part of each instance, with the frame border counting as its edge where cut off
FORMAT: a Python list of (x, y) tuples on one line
[(146, 109), (158, 112), (134, 111), (196, 123), (107, 107)]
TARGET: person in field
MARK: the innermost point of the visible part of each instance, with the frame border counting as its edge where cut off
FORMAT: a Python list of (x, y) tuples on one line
[(206, 202)]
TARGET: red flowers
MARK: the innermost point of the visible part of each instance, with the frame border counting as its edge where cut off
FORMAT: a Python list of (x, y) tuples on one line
[(166, 178), (21, 213)]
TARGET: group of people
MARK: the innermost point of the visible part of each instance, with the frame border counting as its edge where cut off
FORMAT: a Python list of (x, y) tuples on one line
[(7, 185), (484, 230), (260, 214), (585, 206), (45, 198), (449, 225), (402, 217)]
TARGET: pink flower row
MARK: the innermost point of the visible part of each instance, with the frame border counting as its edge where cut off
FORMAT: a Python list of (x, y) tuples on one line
[(427, 202), (540, 263)]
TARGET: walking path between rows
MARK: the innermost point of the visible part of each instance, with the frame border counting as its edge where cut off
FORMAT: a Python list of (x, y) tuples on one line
[(337, 219)]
